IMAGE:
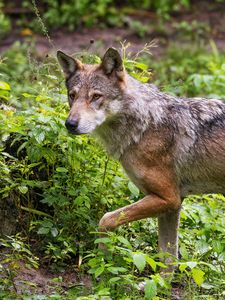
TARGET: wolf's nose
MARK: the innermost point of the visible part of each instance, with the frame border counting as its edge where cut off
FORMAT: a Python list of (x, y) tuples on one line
[(71, 125)]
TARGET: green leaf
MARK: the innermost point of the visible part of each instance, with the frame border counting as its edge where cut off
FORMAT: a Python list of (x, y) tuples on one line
[(4, 95), (182, 267), (141, 66), (116, 270), (54, 232), (26, 95), (35, 211), (133, 189), (183, 251), (43, 230), (139, 261), (217, 246), (93, 262), (114, 279), (150, 289), (191, 264), (202, 246), (197, 79), (161, 265), (102, 240), (40, 137), (198, 276), (80, 200), (47, 223), (42, 97), (207, 286), (151, 262), (4, 86), (72, 192), (99, 271), (61, 170), (124, 241), (87, 202), (23, 189)]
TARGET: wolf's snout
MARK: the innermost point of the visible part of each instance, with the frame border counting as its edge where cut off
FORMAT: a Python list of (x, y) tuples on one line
[(72, 125)]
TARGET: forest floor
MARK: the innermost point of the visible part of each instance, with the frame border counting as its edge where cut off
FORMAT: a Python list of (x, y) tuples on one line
[(46, 281), (203, 22)]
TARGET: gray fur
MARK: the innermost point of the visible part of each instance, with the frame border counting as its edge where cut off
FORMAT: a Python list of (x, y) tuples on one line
[(112, 61), (192, 123)]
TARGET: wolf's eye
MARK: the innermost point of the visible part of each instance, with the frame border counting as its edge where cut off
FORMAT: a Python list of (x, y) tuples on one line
[(95, 97), (72, 95)]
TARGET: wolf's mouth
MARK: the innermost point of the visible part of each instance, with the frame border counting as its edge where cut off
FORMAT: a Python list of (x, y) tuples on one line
[(74, 131)]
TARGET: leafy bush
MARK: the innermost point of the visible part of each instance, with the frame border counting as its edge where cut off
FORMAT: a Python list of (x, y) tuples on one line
[(212, 82), (163, 7), (63, 171), (70, 182), (5, 24), (75, 13), (189, 71)]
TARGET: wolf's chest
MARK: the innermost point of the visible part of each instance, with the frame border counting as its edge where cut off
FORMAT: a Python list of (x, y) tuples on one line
[(135, 173)]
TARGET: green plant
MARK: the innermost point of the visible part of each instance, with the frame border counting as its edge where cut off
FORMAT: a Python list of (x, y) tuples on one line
[(5, 24), (163, 7), (176, 72), (195, 30), (43, 160), (213, 83), (73, 13), (137, 27), (122, 269)]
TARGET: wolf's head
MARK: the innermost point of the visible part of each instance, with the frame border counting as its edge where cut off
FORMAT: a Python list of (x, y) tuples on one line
[(94, 91)]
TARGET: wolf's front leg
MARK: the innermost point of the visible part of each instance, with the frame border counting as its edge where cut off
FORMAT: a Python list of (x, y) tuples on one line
[(150, 206)]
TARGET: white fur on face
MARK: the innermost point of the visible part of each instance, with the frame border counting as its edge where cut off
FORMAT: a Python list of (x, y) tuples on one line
[(115, 106), (92, 119), (89, 121)]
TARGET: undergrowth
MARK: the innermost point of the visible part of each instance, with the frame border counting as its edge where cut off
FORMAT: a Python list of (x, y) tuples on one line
[(61, 186)]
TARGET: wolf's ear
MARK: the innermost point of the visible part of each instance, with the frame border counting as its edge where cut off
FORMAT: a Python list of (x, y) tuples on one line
[(112, 61), (69, 65)]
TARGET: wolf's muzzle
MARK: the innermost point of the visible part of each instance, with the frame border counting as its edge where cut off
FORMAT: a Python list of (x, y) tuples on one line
[(72, 126)]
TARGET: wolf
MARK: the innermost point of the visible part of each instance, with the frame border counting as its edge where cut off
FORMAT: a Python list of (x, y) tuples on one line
[(170, 147)]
